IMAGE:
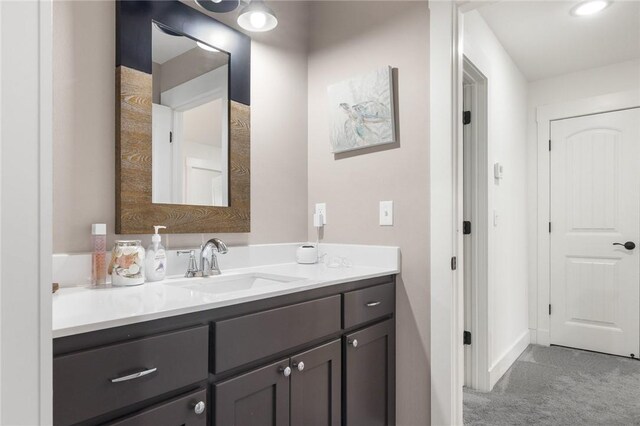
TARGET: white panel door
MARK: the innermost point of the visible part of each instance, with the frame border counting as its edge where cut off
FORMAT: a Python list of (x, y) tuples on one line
[(161, 154), (595, 203)]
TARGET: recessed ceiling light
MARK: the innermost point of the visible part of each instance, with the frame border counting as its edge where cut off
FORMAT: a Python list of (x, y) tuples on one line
[(590, 7), (166, 30)]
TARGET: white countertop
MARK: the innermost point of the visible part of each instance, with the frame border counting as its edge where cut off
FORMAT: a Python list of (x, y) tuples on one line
[(81, 309)]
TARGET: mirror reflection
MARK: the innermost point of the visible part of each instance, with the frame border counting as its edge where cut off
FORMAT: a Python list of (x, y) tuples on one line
[(190, 120)]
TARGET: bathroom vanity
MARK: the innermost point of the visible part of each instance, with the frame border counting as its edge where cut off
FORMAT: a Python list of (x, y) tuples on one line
[(320, 353), (268, 343)]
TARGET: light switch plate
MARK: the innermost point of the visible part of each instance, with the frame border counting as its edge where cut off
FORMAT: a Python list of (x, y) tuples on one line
[(386, 213), (321, 208)]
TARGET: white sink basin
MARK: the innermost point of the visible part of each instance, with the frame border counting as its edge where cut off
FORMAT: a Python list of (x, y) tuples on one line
[(222, 284)]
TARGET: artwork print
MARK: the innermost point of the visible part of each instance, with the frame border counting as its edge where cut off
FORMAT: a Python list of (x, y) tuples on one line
[(361, 111)]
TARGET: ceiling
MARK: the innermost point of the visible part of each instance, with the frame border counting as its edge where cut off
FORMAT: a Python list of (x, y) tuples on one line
[(545, 40)]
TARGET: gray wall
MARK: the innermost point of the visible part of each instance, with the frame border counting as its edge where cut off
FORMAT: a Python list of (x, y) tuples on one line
[(348, 38), (84, 135)]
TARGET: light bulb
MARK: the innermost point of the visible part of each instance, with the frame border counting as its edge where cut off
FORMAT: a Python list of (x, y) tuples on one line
[(590, 7), (258, 19), (256, 16)]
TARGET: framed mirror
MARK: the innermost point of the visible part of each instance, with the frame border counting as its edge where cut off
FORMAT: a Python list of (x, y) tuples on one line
[(182, 121)]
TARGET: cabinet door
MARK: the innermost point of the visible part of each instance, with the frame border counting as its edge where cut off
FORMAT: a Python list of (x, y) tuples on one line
[(257, 398), (316, 386), (370, 376)]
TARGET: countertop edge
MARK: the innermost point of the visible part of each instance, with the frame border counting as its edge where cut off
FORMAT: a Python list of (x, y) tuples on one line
[(310, 285)]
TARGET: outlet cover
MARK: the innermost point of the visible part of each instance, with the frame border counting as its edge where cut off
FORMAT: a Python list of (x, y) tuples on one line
[(386, 213), (321, 208)]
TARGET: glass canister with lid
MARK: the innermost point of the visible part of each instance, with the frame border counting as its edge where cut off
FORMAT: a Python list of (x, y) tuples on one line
[(127, 263)]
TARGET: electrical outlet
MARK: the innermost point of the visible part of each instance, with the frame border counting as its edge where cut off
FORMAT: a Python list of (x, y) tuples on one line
[(386, 213), (321, 208)]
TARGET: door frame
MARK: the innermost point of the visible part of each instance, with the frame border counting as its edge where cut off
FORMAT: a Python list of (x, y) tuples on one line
[(446, 197), (476, 266), (26, 394), (544, 116), (446, 353)]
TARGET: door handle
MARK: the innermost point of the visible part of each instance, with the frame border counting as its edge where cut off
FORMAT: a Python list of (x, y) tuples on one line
[(629, 245)]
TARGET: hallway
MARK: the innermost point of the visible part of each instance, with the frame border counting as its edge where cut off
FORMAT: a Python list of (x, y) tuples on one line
[(560, 386)]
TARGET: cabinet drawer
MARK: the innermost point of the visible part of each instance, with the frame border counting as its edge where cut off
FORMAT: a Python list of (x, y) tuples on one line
[(364, 305), (249, 338), (183, 410), (93, 382)]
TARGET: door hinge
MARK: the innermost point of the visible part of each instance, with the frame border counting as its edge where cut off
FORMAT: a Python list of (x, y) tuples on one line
[(466, 227), (466, 339), (454, 263), (466, 117), (170, 137), (549, 308), (549, 144), (549, 227)]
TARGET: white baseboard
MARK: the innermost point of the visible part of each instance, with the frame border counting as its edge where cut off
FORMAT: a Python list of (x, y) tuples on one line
[(501, 366), (533, 336)]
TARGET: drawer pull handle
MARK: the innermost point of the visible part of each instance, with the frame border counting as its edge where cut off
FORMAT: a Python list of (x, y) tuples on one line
[(372, 304), (134, 375)]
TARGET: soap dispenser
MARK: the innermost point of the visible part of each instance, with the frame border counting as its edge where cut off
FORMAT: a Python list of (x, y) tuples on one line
[(156, 258)]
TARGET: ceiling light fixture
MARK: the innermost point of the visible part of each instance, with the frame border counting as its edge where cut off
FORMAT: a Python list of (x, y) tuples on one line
[(206, 47), (166, 30), (590, 7), (257, 17), (219, 6)]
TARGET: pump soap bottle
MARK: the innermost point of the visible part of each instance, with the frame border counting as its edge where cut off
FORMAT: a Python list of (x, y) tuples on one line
[(156, 259)]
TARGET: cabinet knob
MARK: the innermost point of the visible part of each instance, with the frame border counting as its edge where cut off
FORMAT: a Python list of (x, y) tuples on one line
[(299, 365), (286, 371), (199, 407), (353, 342)]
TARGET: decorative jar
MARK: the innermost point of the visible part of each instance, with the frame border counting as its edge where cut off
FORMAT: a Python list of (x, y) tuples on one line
[(127, 263)]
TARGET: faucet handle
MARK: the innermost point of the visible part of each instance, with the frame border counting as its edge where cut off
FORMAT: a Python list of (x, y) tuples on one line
[(192, 269)]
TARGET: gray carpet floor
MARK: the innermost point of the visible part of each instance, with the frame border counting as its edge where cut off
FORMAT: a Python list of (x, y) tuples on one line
[(560, 386)]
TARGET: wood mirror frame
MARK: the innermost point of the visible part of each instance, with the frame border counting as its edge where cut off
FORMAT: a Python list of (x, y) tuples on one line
[(135, 211)]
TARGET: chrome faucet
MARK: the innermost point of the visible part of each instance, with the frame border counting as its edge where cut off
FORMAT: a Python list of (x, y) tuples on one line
[(208, 260)]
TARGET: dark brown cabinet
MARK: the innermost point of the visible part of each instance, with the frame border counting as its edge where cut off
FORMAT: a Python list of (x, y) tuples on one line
[(370, 376), (322, 357), (304, 390)]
